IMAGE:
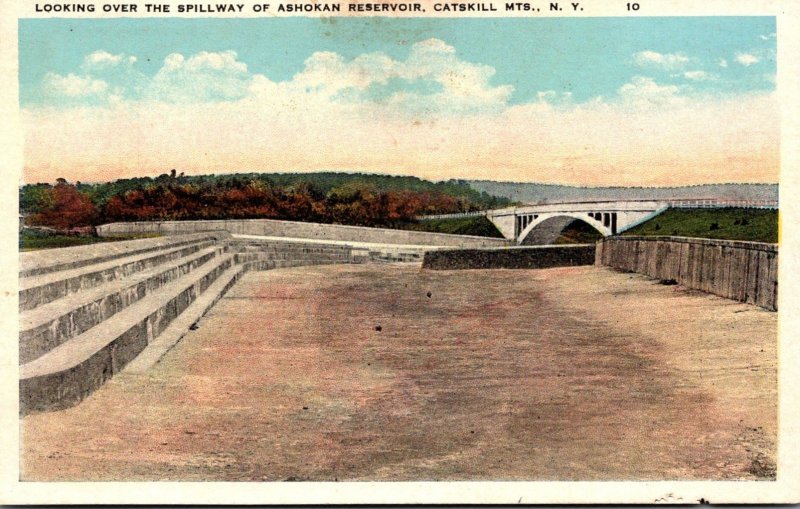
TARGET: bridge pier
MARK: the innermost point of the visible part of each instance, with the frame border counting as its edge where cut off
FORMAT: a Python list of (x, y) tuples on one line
[(522, 222), (609, 220)]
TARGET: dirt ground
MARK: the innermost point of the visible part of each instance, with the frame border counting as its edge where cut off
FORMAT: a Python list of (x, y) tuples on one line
[(388, 372)]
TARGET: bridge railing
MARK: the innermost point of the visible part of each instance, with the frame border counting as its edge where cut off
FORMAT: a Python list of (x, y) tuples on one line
[(710, 203), (457, 215), (680, 203)]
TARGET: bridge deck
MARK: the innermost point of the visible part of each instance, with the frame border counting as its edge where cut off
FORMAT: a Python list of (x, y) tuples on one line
[(572, 373)]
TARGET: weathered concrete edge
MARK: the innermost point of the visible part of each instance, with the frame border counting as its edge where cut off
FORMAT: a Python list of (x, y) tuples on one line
[(178, 328), (742, 244), (50, 288)]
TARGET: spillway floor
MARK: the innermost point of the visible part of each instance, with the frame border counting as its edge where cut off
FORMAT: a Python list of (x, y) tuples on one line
[(391, 372)]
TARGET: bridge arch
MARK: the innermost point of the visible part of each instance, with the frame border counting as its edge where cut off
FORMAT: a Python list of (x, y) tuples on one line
[(544, 229)]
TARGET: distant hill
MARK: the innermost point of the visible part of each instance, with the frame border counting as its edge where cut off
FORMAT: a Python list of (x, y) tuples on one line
[(547, 193)]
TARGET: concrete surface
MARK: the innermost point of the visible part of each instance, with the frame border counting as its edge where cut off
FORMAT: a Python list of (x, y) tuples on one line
[(378, 372)]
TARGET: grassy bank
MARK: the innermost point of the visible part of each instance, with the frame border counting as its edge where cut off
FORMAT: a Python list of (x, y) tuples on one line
[(578, 232), (475, 225), (757, 225), (30, 240)]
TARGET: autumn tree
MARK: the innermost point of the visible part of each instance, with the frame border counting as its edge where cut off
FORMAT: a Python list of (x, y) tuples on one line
[(62, 206)]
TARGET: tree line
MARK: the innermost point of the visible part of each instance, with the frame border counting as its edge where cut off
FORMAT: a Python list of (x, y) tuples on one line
[(341, 198)]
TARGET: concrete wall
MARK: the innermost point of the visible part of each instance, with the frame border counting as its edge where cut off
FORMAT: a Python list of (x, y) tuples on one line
[(539, 257), (743, 271), (294, 229)]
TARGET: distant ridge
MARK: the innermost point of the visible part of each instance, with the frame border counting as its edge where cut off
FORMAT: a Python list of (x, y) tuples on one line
[(526, 192)]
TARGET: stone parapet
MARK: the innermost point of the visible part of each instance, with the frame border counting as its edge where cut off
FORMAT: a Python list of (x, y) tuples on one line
[(300, 230), (739, 270), (534, 257)]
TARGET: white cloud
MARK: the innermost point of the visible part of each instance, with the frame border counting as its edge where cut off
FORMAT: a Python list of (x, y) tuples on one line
[(643, 92), (431, 80), (225, 61), (73, 86), (173, 61), (455, 85), (206, 76), (773, 35), (546, 96), (551, 97), (746, 59), (465, 86), (722, 63), (699, 76), (329, 73), (666, 61), (99, 60)]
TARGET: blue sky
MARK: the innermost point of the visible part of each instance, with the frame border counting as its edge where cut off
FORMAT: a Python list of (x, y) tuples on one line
[(593, 101), (588, 57)]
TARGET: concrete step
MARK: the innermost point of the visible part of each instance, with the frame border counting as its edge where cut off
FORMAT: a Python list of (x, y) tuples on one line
[(49, 325), (286, 242), (287, 248), (68, 373), (42, 289), (395, 257), (35, 263), (178, 328), (305, 257), (349, 256), (245, 257), (281, 264)]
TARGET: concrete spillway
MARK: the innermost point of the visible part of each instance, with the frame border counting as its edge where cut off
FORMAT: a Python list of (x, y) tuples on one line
[(89, 312)]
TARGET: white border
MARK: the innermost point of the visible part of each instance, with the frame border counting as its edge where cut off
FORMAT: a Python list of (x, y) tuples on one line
[(785, 489)]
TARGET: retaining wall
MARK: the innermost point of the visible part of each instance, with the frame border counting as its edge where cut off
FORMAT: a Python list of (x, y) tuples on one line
[(534, 257), (296, 229), (743, 271)]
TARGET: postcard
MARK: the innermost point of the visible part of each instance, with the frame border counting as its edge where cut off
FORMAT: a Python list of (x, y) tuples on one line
[(399, 252)]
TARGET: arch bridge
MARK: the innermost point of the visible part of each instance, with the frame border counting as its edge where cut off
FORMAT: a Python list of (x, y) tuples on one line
[(542, 224)]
